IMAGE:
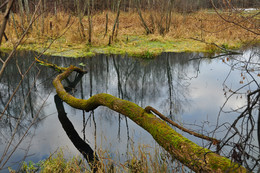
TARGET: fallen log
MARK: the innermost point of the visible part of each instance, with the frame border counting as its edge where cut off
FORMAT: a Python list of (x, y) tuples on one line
[(195, 157)]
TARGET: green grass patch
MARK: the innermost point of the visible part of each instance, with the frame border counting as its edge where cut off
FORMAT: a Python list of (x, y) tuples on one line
[(139, 46)]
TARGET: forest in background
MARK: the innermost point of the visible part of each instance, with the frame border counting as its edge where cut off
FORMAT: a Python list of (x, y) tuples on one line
[(128, 5), (197, 25)]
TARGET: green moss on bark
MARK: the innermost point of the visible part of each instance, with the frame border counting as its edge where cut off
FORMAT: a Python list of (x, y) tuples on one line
[(193, 156)]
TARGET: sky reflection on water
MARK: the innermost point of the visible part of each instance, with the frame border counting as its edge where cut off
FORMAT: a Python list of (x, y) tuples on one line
[(188, 91)]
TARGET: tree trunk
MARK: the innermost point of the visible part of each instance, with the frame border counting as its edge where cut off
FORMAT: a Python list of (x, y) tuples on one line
[(42, 17), (106, 25), (6, 17), (148, 31), (14, 24), (27, 9), (117, 19), (89, 23), (5, 36), (197, 158), (21, 9)]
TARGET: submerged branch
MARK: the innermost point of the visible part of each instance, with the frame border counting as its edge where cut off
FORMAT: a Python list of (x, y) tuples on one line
[(190, 154), (57, 68)]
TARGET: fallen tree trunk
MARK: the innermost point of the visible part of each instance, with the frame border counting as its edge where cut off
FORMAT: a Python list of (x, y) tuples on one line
[(197, 158)]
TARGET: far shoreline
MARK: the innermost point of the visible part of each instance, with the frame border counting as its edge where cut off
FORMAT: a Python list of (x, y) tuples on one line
[(202, 31), (146, 48)]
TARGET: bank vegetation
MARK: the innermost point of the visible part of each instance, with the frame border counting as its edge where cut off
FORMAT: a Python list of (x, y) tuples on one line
[(142, 28)]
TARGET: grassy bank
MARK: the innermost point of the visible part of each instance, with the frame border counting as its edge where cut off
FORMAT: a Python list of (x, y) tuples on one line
[(139, 161), (63, 32)]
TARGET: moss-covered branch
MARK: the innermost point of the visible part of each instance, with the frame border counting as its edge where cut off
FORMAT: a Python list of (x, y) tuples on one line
[(150, 109), (190, 154), (57, 68)]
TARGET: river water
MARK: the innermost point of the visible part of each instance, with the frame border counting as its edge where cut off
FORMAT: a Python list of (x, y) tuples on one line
[(185, 87)]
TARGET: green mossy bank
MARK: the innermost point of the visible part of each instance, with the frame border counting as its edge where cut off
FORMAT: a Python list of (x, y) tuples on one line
[(139, 46)]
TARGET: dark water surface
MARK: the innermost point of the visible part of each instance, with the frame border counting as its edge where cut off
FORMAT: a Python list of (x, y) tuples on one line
[(182, 86)]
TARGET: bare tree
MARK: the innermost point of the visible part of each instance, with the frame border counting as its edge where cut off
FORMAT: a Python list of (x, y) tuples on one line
[(240, 134), (21, 126), (236, 17), (6, 17), (138, 6), (81, 12), (116, 24), (90, 21)]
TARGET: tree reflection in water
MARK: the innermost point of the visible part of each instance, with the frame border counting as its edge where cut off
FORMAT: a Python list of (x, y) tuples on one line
[(165, 83), (21, 108), (80, 144)]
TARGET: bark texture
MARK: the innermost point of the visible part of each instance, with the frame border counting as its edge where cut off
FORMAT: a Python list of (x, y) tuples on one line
[(6, 17), (190, 154)]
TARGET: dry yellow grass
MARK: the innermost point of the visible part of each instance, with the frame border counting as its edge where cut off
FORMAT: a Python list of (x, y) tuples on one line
[(201, 25), (138, 161)]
